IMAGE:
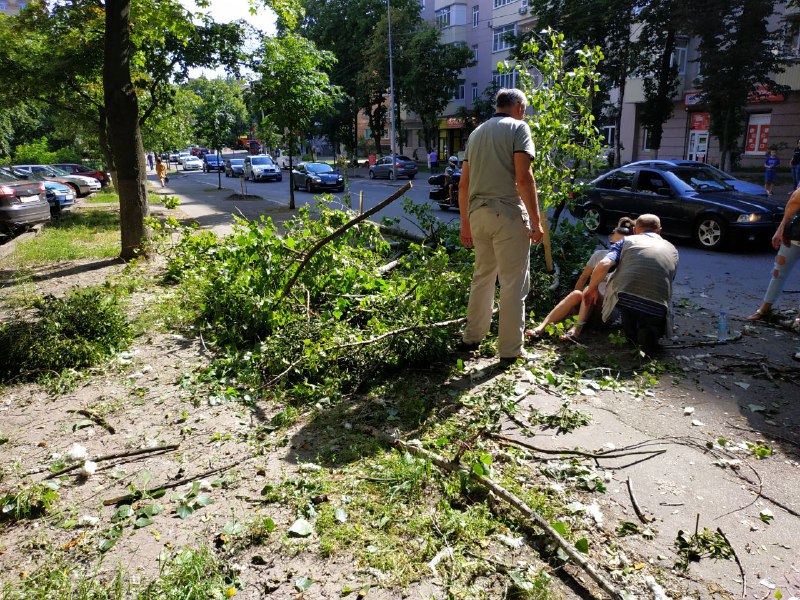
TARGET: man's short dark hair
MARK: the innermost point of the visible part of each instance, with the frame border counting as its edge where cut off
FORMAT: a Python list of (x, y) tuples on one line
[(648, 222), (509, 97)]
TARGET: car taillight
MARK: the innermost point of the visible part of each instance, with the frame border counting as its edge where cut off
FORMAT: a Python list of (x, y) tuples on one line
[(6, 191), (41, 187)]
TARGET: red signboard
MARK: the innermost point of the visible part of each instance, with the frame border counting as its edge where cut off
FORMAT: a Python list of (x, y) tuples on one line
[(692, 98), (752, 133), (762, 93), (763, 138), (699, 121)]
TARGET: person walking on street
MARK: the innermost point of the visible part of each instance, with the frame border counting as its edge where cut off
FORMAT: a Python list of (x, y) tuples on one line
[(499, 218), (433, 161), (161, 171), (770, 169), (150, 160), (795, 164)]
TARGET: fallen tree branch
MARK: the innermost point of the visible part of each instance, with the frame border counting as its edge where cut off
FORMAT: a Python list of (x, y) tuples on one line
[(510, 498), (94, 417), (115, 455), (439, 325), (738, 562), (504, 441), (635, 504), (133, 496), (734, 338), (332, 236)]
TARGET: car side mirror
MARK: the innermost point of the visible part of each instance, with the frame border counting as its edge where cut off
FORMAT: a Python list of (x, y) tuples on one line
[(664, 191)]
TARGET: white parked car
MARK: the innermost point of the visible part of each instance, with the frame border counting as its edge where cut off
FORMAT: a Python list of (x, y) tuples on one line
[(261, 167), (191, 163), (83, 186)]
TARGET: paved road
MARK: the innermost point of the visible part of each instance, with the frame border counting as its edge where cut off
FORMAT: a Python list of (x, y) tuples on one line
[(733, 281)]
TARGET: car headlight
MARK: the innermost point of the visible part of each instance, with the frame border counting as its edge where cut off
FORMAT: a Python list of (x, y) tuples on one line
[(751, 218), (316, 179), (340, 179)]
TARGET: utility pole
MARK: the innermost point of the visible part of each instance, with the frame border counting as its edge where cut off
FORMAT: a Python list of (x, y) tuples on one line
[(391, 87)]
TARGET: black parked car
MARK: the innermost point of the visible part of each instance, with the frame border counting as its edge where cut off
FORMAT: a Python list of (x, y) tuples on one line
[(317, 176), (691, 201), (212, 162)]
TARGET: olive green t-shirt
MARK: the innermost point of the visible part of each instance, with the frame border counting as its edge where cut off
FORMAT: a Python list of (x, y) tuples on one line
[(490, 154)]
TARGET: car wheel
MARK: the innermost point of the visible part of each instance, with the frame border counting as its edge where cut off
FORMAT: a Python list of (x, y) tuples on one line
[(391, 174), (309, 187), (75, 189), (593, 219), (371, 174), (710, 232)]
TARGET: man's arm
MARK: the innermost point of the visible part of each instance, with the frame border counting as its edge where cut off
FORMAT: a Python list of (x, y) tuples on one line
[(598, 275), (463, 206), (526, 187)]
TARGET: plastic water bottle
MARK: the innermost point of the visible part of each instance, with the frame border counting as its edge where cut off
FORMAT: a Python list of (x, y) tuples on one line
[(722, 327)]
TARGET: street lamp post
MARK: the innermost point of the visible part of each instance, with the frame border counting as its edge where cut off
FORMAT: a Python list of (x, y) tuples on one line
[(391, 87)]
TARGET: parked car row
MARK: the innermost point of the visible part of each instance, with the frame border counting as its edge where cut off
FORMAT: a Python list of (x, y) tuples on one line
[(23, 203), (83, 186)]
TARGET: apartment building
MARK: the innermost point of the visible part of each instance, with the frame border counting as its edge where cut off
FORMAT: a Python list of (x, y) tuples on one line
[(12, 7)]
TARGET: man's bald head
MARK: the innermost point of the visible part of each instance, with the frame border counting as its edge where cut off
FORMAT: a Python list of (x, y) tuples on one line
[(646, 223)]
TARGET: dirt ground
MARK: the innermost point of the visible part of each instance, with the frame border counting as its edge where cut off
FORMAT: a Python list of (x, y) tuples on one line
[(688, 445)]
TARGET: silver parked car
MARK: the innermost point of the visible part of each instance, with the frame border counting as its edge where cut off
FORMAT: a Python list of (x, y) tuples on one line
[(402, 167), (260, 167), (83, 186)]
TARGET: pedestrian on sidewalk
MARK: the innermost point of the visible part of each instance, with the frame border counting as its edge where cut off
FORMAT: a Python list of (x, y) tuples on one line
[(150, 160), (770, 168), (500, 218), (433, 161), (795, 164), (161, 171)]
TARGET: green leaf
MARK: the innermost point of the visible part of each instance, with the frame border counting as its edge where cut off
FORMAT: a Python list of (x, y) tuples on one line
[(143, 522), (122, 513), (184, 510), (560, 527), (83, 423), (301, 528), (582, 545), (766, 515), (106, 544), (203, 500), (303, 583)]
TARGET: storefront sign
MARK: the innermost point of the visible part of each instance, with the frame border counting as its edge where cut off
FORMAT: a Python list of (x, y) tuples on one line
[(692, 98), (699, 121), (752, 136), (762, 93), (763, 138)]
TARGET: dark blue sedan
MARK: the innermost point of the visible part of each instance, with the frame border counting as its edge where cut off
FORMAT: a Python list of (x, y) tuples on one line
[(691, 201), (313, 176)]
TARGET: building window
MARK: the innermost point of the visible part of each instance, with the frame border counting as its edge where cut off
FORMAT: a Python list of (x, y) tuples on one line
[(459, 93), (678, 58), (647, 140), (475, 53), (476, 15), (757, 140), (608, 134), (501, 37), (793, 38), (442, 17), (474, 92), (499, 3), (505, 80), (3, 6)]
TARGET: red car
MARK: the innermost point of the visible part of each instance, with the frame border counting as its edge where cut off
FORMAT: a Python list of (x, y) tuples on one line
[(75, 169)]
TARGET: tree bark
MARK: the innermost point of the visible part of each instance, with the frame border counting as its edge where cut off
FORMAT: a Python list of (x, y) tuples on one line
[(124, 135)]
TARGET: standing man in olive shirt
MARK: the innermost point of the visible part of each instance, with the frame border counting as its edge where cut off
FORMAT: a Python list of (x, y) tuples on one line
[(500, 218)]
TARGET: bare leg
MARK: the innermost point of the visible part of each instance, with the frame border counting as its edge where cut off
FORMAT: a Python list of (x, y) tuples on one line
[(583, 317), (560, 312)]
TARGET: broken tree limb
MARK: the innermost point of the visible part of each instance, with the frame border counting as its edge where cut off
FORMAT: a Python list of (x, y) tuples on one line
[(133, 496), (115, 455), (734, 338), (94, 417), (738, 562), (332, 236), (510, 498), (644, 519), (377, 338), (403, 234), (504, 441)]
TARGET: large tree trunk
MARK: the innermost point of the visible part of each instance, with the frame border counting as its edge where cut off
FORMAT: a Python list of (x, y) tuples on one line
[(124, 136), (105, 148)]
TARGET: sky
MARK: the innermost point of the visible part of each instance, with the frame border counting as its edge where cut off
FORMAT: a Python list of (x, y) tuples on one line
[(224, 11)]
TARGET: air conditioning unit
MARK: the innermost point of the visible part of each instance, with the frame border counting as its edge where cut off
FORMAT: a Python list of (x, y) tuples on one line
[(489, 23), (523, 7)]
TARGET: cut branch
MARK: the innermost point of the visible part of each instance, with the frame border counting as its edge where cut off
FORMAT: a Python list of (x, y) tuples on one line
[(738, 562), (504, 441), (510, 498), (350, 224), (115, 455), (96, 418), (635, 504)]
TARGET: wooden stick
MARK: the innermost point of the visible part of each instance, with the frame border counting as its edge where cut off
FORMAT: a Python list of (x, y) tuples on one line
[(510, 498), (635, 504), (734, 338), (738, 562), (610, 454), (168, 486), (350, 224), (115, 455)]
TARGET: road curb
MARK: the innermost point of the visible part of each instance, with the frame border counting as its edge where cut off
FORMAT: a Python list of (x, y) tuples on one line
[(8, 248)]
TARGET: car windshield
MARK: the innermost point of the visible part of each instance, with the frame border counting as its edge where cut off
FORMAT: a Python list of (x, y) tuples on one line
[(237, 162), (702, 179), (57, 171), (319, 168), (261, 160)]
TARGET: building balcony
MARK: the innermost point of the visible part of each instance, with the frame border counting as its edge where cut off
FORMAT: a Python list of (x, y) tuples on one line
[(454, 34)]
